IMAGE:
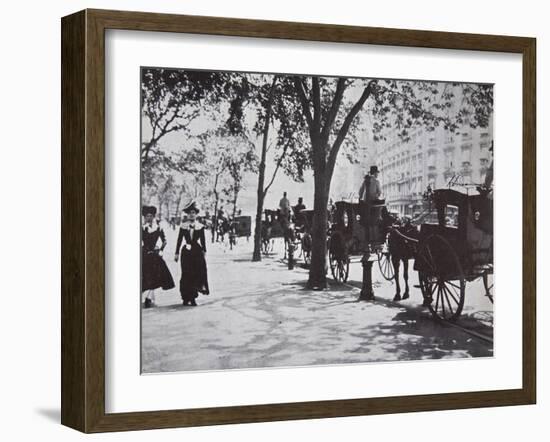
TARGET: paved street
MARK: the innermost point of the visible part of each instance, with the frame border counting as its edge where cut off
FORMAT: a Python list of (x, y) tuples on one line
[(260, 315)]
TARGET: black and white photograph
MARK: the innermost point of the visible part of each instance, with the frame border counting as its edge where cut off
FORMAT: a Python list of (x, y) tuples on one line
[(251, 221), (296, 220)]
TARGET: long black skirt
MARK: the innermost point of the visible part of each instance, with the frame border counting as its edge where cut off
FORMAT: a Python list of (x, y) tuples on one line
[(194, 277), (154, 272)]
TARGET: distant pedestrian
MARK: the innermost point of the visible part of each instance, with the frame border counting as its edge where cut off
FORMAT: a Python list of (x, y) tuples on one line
[(221, 222), (191, 241), (154, 271)]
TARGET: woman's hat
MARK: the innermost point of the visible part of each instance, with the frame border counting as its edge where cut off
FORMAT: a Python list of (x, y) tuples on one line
[(191, 207), (146, 210)]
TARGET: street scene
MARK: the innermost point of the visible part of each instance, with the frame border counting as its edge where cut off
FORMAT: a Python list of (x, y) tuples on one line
[(278, 323), (293, 220)]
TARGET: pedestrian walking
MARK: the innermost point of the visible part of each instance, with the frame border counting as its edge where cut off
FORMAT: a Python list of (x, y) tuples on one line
[(192, 243), (154, 271)]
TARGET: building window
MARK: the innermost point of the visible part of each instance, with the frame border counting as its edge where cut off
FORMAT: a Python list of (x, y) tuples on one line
[(448, 160), (466, 152), (431, 160)]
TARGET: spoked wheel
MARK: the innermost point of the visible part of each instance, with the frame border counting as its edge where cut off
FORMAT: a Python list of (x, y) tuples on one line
[(441, 278), (339, 267), (385, 264), (488, 284), (298, 251)]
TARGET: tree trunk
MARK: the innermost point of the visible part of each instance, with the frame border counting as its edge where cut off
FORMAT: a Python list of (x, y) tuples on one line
[(215, 214), (317, 271), (257, 253), (215, 220), (324, 160), (235, 196), (180, 196), (160, 211)]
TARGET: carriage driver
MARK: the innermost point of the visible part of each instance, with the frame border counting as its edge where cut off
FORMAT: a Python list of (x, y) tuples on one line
[(369, 194), (370, 188), (298, 215), (284, 209)]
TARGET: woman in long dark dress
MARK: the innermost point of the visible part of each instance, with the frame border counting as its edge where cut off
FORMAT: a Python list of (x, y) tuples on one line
[(154, 271), (194, 278)]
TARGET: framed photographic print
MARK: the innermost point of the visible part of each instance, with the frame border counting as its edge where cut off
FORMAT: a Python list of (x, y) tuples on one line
[(267, 221)]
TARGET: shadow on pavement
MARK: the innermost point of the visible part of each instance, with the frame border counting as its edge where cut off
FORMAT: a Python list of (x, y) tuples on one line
[(435, 339), (170, 308)]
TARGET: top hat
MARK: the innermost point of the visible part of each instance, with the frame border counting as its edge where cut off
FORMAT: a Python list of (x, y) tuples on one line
[(373, 169), (148, 210), (191, 207)]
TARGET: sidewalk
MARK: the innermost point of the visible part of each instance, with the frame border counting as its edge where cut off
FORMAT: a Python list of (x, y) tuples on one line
[(260, 315)]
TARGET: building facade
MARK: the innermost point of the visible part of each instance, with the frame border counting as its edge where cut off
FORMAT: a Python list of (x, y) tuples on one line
[(430, 158)]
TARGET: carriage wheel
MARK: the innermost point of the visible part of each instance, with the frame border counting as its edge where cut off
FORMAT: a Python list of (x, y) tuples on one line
[(339, 267), (385, 264), (441, 278), (298, 251), (488, 284)]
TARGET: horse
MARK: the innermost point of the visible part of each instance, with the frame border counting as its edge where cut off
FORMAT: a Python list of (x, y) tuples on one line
[(402, 239), (289, 235)]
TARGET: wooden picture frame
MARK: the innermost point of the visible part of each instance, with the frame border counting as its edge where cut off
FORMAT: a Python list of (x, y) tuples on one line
[(83, 219)]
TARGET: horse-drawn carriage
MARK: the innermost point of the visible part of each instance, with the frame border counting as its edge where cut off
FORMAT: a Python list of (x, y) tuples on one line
[(239, 226), (358, 229), (455, 250), (272, 228), (295, 231), (452, 247), (300, 234)]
